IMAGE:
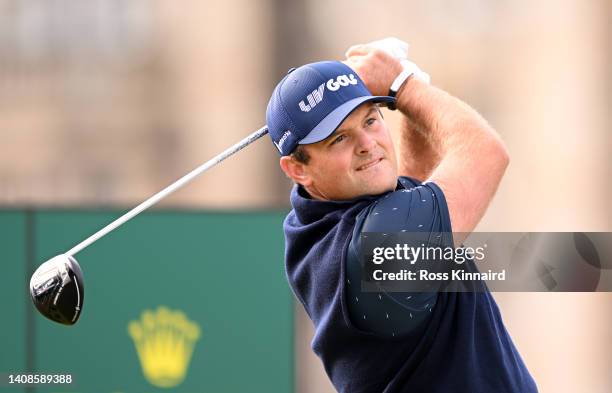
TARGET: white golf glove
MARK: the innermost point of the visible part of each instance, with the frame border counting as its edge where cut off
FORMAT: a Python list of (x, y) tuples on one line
[(393, 46), (399, 49)]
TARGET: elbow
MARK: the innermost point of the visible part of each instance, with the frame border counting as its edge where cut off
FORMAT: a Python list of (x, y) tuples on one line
[(493, 155), (504, 155), (500, 159), (498, 151)]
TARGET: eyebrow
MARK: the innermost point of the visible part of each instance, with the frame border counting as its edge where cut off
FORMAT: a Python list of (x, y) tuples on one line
[(373, 108)]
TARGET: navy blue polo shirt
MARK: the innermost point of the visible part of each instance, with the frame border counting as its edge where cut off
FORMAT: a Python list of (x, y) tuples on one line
[(369, 342)]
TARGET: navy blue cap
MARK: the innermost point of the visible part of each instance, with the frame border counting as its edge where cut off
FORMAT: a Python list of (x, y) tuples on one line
[(311, 101)]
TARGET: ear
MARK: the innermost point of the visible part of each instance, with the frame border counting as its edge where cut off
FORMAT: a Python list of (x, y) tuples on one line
[(295, 170)]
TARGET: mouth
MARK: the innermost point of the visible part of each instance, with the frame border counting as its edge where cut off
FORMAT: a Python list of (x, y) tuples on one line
[(370, 164)]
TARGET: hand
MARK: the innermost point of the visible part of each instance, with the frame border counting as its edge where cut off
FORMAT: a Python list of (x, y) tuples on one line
[(393, 46), (374, 66)]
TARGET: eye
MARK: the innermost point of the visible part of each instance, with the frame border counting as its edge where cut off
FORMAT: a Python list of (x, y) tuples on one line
[(337, 139), (370, 121)]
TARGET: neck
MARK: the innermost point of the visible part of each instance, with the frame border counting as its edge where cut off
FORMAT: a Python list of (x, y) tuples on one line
[(314, 193)]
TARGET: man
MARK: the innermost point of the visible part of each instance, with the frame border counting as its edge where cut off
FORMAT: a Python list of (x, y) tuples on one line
[(325, 121)]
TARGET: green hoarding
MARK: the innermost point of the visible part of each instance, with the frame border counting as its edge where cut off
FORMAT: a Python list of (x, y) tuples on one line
[(13, 296), (174, 301)]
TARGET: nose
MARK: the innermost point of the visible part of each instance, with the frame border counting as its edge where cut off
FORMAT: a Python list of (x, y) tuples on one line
[(366, 142)]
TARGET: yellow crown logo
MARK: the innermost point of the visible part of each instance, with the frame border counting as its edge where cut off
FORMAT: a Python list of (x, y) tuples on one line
[(164, 340)]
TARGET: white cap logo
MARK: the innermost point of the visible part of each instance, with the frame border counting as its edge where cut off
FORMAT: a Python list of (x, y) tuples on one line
[(317, 95)]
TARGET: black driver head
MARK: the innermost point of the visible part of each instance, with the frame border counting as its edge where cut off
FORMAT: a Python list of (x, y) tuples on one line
[(57, 290)]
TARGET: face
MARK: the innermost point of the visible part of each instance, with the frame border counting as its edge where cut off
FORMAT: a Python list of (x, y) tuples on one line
[(357, 159)]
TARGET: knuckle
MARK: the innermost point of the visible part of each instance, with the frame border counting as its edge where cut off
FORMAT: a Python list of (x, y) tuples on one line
[(354, 49), (378, 53)]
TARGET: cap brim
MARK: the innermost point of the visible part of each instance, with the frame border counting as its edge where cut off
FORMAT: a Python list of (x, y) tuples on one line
[(329, 124)]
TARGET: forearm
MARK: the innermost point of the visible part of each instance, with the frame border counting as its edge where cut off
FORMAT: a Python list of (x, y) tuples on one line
[(446, 141), (417, 155), (473, 157), (442, 124)]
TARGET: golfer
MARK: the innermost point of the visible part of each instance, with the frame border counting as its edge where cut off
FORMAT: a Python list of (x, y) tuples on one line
[(325, 120)]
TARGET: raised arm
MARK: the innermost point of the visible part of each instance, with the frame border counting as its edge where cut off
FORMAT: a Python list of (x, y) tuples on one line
[(472, 156), (418, 153)]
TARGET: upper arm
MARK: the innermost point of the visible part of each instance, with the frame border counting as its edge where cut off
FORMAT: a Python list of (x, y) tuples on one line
[(416, 209), (420, 207), (469, 183)]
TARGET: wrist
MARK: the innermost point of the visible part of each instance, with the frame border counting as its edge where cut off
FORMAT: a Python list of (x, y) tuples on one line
[(405, 88), (410, 71), (412, 96)]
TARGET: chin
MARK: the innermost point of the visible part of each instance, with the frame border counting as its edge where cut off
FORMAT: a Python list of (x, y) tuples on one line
[(383, 186), (381, 179), (386, 181)]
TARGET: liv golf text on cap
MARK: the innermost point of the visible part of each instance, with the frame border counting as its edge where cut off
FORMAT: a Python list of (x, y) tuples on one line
[(310, 102)]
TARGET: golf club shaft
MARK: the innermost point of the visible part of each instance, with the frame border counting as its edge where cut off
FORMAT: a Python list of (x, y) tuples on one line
[(170, 189)]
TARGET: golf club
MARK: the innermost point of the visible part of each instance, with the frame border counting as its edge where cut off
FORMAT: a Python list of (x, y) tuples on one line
[(56, 287)]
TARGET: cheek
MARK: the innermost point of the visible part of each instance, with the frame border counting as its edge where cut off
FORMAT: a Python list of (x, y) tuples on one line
[(385, 134), (341, 159), (386, 142), (330, 168)]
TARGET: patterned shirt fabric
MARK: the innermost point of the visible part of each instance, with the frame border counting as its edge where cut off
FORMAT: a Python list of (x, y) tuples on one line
[(453, 342)]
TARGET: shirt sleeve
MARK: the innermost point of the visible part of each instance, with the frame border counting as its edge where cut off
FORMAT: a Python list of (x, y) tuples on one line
[(412, 207), (415, 208)]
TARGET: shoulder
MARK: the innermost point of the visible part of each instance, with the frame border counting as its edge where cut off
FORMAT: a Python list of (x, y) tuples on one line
[(412, 207), (408, 182)]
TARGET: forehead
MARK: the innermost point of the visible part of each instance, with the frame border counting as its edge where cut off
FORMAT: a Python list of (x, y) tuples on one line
[(351, 121), (356, 115), (355, 118)]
